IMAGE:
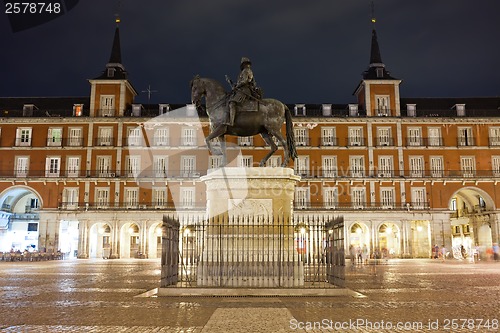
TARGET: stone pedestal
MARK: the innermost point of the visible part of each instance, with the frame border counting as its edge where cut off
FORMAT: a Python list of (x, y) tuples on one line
[(250, 238)]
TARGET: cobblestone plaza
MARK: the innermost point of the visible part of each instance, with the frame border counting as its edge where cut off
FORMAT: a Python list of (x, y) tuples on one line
[(416, 295)]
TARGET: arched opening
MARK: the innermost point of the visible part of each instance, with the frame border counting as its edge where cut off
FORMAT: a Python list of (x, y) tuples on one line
[(155, 233), (470, 221), (389, 244), (100, 241), (130, 241), (19, 219)]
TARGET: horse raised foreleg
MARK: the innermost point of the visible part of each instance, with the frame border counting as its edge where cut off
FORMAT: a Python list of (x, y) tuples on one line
[(268, 139), (217, 132)]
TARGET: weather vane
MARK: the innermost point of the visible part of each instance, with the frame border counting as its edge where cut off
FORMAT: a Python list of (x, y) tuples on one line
[(117, 15), (374, 20)]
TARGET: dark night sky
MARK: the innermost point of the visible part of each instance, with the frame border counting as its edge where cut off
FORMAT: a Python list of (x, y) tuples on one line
[(302, 51)]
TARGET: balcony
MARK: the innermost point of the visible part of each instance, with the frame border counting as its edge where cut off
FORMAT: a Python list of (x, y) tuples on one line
[(105, 112), (383, 112), (355, 206), (104, 142), (130, 206), (355, 142), (384, 142), (466, 141), (329, 142)]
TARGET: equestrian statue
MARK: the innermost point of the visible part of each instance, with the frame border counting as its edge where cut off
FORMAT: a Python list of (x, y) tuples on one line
[(243, 112)]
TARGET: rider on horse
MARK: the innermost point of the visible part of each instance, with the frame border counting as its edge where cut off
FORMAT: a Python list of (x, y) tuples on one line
[(245, 88)]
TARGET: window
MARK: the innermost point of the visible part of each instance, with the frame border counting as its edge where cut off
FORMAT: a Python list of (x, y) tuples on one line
[(302, 197), (411, 110), (328, 136), (215, 162), (358, 195), (70, 198), (384, 136), (385, 166), (418, 198), (54, 138), (353, 110), (133, 165), (436, 166), (103, 166), (326, 110), (357, 166), (465, 137), (161, 137), (160, 166), (302, 166), (355, 136), (416, 166), (188, 137), (75, 137), (382, 105), (32, 226), (468, 166), (102, 197), (21, 167), (107, 106), (434, 136), (330, 197), (245, 141), (245, 161), (188, 197), (159, 197), (494, 136), (414, 136), (188, 166), (131, 197), (301, 136), (300, 109), (105, 136), (78, 110), (387, 197), (330, 166), (52, 166), (134, 137), (274, 162), (495, 165), (163, 108), (23, 137), (73, 166)]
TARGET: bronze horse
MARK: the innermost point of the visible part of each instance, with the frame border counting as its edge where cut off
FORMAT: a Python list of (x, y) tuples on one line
[(266, 121)]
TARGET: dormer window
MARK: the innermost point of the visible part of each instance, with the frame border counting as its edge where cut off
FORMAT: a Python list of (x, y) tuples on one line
[(460, 110), (353, 110), (136, 110), (163, 108), (380, 72), (28, 110), (327, 110), (77, 110), (191, 110), (111, 72), (300, 109), (411, 110)]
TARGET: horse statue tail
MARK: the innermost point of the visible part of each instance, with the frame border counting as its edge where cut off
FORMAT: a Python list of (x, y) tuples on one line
[(290, 136)]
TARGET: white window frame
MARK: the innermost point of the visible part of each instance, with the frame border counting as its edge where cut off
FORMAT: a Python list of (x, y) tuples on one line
[(465, 136), (416, 166), (159, 197), (102, 197), (245, 161), (437, 166), (387, 197), (134, 137), (328, 136), (70, 197), (54, 137), (103, 165), (188, 136), (385, 166), (302, 165), (274, 162), (107, 106), (302, 197), (21, 168), (357, 166), (330, 197), (133, 166), (434, 136), (418, 197), (105, 136), (188, 166), (131, 197), (245, 141), (384, 136), (358, 197), (73, 166), (188, 197), (494, 133), (414, 136), (52, 166), (162, 136), (329, 166), (355, 136), (24, 136), (215, 162), (468, 166), (301, 136), (160, 166), (75, 137), (383, 105), (495, 165)]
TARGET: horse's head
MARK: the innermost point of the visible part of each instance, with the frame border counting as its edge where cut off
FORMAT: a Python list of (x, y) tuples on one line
[(198, 90)]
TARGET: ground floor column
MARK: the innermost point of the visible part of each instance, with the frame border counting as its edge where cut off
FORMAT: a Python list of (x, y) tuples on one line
[(83, 235)]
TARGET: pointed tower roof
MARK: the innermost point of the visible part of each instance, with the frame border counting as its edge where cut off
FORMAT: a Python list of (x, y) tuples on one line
[(114, 68), (376, 70)]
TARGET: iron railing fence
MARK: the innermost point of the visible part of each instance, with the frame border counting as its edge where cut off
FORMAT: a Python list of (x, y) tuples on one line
[(254, 252)]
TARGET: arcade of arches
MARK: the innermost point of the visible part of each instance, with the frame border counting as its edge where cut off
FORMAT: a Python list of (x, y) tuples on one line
[(471, 220)]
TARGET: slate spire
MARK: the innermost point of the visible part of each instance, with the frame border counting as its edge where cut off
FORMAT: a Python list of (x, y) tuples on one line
[(114, 68)]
